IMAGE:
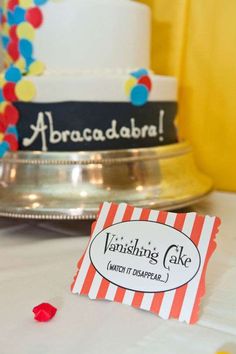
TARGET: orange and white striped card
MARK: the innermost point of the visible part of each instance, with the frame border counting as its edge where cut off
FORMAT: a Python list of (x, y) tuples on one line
[(148, 259)]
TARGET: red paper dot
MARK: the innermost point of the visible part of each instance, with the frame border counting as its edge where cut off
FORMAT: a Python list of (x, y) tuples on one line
[(9, 92), (12, 4), (44, 312), (34, 16), (11, 115), (12, 33), (146, 81), (13, 50), (12, 141)]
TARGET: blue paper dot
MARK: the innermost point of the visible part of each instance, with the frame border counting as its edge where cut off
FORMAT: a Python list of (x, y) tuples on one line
[(139, 95), (40, 2), (4, 147), (26, 48), (12, 130), (13, 74), (1, 97), (139, 73), (10, 18), (5, 41), (19, 15)]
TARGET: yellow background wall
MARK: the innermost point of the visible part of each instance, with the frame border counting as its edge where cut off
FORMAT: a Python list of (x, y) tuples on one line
[(195, 40)]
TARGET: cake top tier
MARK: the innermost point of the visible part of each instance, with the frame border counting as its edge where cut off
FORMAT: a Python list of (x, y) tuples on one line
[(90, 34)]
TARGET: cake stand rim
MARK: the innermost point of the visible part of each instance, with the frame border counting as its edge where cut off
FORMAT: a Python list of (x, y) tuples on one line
[(97, 157)]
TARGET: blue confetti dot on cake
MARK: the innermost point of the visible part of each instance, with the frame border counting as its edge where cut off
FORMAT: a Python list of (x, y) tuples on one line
[(1, 96), (4, 146), (10, 18), (29, 61), (13, 74), (5, 41), (19, 15), (26, 48), (40, 2), (139, 95), (139, 73), (12, 130)]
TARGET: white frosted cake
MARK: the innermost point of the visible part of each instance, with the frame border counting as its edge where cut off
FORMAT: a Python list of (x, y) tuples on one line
[(77, 71)]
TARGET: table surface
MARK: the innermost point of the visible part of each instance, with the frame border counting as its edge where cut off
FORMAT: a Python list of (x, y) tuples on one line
[(38, 261)]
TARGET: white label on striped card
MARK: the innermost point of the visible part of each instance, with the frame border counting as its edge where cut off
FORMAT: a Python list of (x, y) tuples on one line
[(144, 256), (152, 260)]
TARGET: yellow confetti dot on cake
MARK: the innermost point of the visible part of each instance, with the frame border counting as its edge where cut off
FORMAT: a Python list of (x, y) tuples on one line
[(1, 136), (3, 106), (36, 68), (25, 91), (26, 4), (5, 29), (25, 31), (7, 60), (130, 84), (20, 64), (2, 80)]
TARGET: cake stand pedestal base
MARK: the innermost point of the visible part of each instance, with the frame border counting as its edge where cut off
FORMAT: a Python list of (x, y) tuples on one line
[(67, 186)]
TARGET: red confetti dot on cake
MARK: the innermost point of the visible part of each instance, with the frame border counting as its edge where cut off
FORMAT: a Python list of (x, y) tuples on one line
[(12, 141), (11, 115), (4, 19), (12, 33), (146, 81), (13, 50), (12, 4), (44, 312), (9, 92), (34, 16), (2, 123)]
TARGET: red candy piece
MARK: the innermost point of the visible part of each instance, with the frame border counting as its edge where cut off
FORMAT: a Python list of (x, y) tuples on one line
[(12, 141), (34, 16), (11, 115), (44, 312), (13, 50), (146, 81), (12, 4), (9, 92)]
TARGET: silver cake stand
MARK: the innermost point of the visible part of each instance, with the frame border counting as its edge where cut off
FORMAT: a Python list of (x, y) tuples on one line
[(67, 186)]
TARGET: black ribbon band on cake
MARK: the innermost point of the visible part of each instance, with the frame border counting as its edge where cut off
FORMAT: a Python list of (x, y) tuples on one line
[(90, 126)]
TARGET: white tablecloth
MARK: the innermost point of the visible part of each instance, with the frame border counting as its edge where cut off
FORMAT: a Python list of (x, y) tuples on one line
[(37, 264)]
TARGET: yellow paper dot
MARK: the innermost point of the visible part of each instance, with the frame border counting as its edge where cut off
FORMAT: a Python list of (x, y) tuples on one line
[(36, 68), (25, 31), (26, 4), (1, 136), (20, 64), (130, 84), (25, 91)]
